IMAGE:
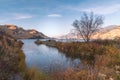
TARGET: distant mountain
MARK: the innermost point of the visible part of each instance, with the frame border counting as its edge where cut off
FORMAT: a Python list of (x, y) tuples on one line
[(73, 34), (20, 33), (109, 32)]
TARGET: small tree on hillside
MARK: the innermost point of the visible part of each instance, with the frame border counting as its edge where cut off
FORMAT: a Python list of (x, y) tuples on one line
[(88, 25)]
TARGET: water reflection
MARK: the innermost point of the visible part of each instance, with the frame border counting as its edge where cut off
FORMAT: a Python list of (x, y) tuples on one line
[(46, 58)]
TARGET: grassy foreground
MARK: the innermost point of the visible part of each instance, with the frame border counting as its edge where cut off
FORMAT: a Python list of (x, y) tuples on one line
[(12, 60), (102, 58)]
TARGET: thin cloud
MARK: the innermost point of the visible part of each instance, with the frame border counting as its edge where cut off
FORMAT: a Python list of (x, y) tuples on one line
[(54, 15), (22, 16), (15, 16)]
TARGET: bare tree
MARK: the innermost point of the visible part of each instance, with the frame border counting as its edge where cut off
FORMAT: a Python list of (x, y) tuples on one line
[(88, 25)]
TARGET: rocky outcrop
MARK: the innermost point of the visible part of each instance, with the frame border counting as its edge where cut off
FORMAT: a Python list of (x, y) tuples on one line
[(20, 33)]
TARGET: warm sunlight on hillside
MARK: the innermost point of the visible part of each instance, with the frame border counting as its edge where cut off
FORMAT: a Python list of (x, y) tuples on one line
[(59, 39), (12, 27), (108, 34)]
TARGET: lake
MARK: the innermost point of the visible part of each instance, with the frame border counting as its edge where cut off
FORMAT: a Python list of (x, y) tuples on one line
[(47, 58)]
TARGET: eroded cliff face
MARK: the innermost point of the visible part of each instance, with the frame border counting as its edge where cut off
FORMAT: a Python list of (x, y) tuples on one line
[(20, 33)]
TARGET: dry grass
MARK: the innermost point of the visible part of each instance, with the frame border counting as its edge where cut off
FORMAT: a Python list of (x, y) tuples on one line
[(101, 58)]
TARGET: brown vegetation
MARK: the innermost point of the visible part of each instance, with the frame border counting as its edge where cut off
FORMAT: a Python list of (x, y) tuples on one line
[(11, 58), (101, 57)]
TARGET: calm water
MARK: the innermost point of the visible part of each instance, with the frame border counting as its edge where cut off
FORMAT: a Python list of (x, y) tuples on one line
[(46, 58)]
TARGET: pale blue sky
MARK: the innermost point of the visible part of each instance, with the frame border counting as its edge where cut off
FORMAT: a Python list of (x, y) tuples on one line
[(54, 17)]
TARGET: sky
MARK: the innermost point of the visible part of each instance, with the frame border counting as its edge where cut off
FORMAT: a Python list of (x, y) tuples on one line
[(55, 17)]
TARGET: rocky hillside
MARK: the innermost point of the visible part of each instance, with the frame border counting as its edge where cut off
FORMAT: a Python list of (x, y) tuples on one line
[(20, 33), (108, 33)]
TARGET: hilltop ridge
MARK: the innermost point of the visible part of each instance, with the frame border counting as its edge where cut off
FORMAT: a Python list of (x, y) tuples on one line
[(110, 32), (20, 33)]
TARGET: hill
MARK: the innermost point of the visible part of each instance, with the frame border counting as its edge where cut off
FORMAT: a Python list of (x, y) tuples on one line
[(20, 33), (110, 32)]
